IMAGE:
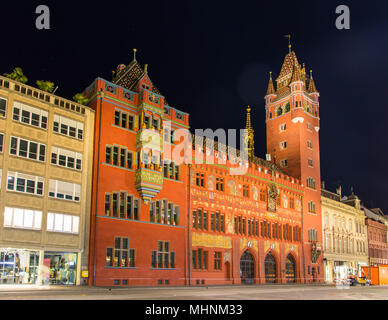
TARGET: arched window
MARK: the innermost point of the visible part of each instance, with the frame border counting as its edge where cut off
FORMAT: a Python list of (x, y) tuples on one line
[(279, 111), (287, 107)]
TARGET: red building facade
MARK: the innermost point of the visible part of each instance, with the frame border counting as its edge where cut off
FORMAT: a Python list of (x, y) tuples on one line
[(138, 207), (155, 221), (292, 118)]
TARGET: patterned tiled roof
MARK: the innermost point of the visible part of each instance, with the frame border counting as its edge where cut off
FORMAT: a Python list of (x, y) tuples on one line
[(288, 65), (130, 76)]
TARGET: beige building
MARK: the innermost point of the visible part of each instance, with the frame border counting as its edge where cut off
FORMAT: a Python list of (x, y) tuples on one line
[(345, 247), (45, 172)]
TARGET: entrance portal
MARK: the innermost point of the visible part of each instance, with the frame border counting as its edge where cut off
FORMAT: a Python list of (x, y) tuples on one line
[(290, 269), (247, 268), (270, 268)]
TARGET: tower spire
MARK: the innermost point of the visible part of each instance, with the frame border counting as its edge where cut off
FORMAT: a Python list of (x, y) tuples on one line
[(312, 88), (289, 42), (134, 54), (249, 146), (271, 88)]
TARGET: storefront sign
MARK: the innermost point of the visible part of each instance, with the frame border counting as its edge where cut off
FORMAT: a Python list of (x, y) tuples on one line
[(85, 273)]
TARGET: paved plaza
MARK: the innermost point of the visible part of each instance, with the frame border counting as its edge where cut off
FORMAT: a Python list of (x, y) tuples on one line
[(253, 292)]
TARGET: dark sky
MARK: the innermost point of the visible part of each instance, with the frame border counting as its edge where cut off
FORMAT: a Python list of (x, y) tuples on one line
[(212, 58)]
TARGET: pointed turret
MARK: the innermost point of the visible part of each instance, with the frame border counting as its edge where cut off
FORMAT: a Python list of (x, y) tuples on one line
[(249, 148), (312, 88), (296, 74), (271, 88)]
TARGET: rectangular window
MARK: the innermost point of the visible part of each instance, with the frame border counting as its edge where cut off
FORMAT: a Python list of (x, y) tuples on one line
[(58, 222), (195, 219), (22, 218), (199, 219), (66, 158), (129, 160), (108, 202), (117, 118), (109, 257), (176, 215), (25, 183), (217, 260), (108, 154), (3, 107), (136, 209), (116, 155), (27, 149), (222, 222), (1, 142), (30, 115), (122, 157), (129, 207), (205, 221), (130, 122)]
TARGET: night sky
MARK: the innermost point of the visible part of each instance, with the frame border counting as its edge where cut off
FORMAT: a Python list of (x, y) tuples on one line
[(212, 58)]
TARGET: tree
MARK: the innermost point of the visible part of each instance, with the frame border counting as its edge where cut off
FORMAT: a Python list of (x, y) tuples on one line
[(17, 74), (80, 98), (47, 86)]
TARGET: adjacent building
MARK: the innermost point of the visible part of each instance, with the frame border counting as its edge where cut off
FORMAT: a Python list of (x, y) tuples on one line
[(345, 245), (45, 173), (377, 236)]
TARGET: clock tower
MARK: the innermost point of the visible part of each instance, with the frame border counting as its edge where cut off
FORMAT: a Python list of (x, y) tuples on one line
[(292, 123)]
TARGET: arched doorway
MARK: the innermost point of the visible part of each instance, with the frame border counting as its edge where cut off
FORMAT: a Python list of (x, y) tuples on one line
[(247, 268), (270, 268), (290, 269)]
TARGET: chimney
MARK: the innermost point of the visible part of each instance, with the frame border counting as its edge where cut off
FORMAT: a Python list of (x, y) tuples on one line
[(339, 191), (323, 185)]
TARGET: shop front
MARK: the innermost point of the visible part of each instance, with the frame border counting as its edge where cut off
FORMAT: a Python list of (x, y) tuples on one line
[(59, 268), (19, 266), (340, 272)]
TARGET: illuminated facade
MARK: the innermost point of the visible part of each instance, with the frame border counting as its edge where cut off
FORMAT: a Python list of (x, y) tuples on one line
[(45, 171), (158, 222), (345, 248)]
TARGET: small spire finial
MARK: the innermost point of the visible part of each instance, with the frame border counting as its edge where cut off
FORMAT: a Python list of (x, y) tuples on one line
[(270, 75), (311, 73), (145, 68), (134, 53), (289, 42)]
